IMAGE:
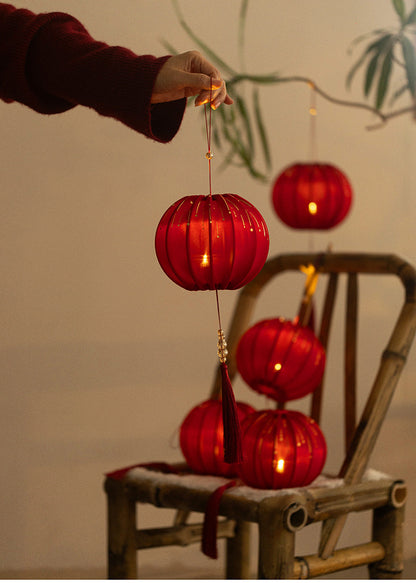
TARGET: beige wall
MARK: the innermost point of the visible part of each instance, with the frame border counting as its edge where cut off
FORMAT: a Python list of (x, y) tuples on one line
[(101, 355)]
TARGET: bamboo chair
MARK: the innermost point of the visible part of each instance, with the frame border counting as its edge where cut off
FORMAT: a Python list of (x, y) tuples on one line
[(281, 514)]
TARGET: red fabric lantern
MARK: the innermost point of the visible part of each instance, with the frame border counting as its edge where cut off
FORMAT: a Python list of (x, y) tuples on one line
[(283, 449), (202, 438), (212, 242), (312, 196), (280, 359)]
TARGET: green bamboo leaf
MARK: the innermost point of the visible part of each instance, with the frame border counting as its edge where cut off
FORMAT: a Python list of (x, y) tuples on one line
[(170, 48), (210, 54), (246, 124), (411, 18), (241, 30), (398, 93), (377, 46), (371, 70), (354, 69), (362, 37), (228, 159), (400, 9), (261, 129), (384, 78), (231, 134), (410, 62)]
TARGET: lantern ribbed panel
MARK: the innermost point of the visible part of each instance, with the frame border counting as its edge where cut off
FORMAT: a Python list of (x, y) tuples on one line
[(201, 438), (283, 449), (218, 242), (312, 196), (280, 359)]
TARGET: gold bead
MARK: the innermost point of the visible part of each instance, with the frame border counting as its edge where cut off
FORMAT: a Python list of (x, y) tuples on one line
[(209, 155)]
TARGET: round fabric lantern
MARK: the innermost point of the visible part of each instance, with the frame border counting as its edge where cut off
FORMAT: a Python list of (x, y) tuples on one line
[(283, 449), (280, 359), (312, 196), (202, 438), (218, 241)]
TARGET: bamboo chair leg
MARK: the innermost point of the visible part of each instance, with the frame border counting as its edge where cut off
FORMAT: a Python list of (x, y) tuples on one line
[(121, 532), (238, 552), (388, 530), (276, 545)]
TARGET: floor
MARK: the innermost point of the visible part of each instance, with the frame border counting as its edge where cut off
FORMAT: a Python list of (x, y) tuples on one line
[(173, 572)]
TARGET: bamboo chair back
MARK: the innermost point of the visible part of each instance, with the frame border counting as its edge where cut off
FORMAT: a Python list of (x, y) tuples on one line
[(360, 437)]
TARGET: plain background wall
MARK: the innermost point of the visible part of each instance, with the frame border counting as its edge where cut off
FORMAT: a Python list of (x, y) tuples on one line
[(101, 356)]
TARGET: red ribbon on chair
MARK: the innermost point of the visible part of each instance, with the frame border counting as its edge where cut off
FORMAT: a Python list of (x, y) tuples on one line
[(209, 531)]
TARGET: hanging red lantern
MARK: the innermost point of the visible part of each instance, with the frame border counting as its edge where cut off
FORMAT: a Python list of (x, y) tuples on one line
[(202, 438), (214, 242), (220, 241), (283, 449), (280, 359), (312, 196)]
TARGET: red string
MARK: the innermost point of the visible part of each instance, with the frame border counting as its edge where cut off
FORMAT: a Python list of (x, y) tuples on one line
[(208, 129)]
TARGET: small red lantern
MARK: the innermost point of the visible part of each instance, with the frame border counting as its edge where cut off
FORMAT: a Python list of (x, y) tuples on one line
[(218, 241), (312, 196), (202, 438), (280, 359), (283, 449)]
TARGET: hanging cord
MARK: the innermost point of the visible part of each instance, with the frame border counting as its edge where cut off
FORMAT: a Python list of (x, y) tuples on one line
[(209, 156), (313, 112), (313, 144), (232, 432)]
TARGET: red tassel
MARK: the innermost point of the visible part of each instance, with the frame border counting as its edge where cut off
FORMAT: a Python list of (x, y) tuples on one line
[(209, 531), (233, 451)]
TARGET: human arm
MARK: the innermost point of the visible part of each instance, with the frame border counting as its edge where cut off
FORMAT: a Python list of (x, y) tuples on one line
[(50, 63)]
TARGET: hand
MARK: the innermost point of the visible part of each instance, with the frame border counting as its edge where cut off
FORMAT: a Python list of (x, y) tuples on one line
[(190, 74)]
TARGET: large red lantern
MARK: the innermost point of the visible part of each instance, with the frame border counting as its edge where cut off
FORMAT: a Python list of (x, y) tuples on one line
[(312, 196), (202, 438), (283, 449), (280, 359), (218, 241)]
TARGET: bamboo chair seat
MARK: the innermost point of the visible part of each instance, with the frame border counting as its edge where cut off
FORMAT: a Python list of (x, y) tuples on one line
[(280, 514)]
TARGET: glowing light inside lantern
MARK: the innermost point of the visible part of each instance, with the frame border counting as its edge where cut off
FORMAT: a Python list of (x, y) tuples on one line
[(280, 466), (277, 366), (205, 260), (313, 207)]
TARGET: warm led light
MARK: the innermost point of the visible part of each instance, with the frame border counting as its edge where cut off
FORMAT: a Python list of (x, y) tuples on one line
[(277, 366), (205, 259), (280, 465), (312, 206)]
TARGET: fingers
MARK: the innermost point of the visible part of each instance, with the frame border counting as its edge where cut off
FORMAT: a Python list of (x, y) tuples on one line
[(214, 97), (189, 74), (213, 86)]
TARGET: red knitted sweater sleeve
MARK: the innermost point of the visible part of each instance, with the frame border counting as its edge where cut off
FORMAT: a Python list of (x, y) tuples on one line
[(50, 63)]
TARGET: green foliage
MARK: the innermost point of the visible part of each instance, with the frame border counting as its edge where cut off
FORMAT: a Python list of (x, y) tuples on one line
[(240, 130), (387, 51)]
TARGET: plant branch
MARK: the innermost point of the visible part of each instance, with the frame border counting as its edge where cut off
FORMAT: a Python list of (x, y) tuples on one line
[(296, 78), (269, 79)]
